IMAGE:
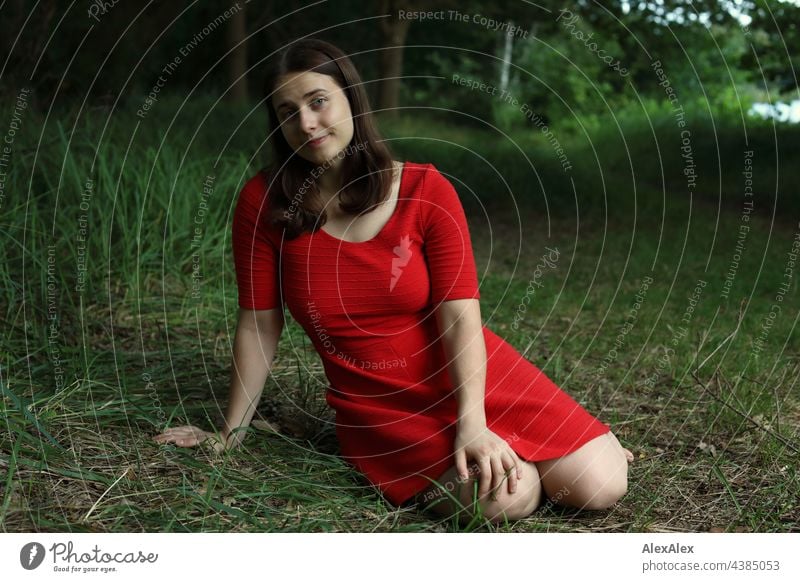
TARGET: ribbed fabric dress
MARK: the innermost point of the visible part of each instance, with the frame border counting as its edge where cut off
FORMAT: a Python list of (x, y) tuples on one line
[(367, 307)]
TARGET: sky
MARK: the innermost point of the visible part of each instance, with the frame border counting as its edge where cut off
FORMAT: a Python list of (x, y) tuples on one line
[(734, 8)]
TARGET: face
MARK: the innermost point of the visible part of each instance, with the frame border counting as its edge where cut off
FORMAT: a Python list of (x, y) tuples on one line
[(309, 106)]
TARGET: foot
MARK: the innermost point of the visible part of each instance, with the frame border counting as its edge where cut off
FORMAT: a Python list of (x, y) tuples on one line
[(628, 455)]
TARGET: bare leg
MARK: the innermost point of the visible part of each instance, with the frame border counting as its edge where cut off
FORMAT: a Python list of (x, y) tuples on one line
[(593, 477), (506, 505)]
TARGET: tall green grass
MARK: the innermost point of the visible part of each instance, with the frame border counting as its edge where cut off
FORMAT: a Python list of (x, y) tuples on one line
[(87, 375)]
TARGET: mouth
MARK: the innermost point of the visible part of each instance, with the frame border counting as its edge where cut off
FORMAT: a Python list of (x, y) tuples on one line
[(317, 142)]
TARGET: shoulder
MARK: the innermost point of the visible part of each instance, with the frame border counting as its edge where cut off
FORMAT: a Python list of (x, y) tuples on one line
[(255, 190), (436, 190), (439, 201), (253, 199), (426, 181), (252, 210)]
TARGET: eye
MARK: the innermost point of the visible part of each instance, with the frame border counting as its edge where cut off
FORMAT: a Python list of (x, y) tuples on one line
[(317, 100)]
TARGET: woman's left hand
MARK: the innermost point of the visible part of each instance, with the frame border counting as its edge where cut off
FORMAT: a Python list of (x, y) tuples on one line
[(493, 455)]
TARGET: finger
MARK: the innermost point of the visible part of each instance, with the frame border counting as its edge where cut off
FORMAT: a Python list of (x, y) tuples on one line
[(181, 441), (498, 475), (511, 470), (517, 463), (173, 432), (485, 479), (182, 429), (461, 463)]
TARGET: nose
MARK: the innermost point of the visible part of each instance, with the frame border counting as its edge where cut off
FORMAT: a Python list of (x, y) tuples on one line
[(308, 121)]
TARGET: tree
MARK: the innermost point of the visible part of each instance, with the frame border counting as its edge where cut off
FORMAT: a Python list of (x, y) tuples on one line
[(237, 59), (394, 31)]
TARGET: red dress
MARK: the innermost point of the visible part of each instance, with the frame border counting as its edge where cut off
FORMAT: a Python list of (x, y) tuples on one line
[(367, 308)]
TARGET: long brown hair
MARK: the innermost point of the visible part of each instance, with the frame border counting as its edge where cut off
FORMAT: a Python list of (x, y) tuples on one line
[(367, 169)]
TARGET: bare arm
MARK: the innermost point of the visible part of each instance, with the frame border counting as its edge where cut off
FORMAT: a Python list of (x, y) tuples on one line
[(460, 326), (254, 347), (461, 329)]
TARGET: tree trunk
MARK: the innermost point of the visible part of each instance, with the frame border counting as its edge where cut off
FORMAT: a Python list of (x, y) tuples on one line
[(394, 33), (237, 60), (505, 64)]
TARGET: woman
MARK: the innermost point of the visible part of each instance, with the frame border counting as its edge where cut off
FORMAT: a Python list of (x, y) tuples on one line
[(373, 259)]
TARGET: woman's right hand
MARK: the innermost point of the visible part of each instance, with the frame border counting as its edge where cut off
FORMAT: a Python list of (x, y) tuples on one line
[(189, 436)]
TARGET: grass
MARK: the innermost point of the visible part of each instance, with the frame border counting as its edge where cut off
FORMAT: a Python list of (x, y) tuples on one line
[(87, 377)]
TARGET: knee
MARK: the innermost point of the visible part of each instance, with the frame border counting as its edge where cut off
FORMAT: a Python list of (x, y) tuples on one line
[(505, 506), (601, 490), (515, 506), (521, 508)]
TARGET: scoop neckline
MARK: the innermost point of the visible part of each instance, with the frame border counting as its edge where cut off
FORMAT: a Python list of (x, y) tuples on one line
[(385, 226)]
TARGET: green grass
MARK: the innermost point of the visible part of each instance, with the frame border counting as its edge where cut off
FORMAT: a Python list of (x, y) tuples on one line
[(714, 431)]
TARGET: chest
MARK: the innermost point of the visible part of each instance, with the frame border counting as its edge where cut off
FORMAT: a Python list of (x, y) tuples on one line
[(361, 228), (364, 227), (385, 276)]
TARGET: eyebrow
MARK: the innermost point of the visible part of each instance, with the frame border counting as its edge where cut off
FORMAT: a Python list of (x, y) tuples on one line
[(309, 94)]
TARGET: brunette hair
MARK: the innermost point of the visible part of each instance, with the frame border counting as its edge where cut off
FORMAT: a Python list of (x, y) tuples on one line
[(367, 169)]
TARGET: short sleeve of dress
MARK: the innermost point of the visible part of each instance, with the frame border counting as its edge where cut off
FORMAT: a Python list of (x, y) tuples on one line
[(255, 252), (447, 245)]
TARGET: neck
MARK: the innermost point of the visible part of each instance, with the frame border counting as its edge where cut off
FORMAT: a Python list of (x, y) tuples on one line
[(331, 178)]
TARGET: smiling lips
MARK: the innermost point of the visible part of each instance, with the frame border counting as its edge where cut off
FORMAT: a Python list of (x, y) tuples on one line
[(316, 142)]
